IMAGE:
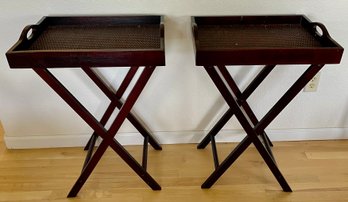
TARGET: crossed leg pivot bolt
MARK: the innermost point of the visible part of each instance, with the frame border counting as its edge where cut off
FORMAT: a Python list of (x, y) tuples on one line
[(254, 128), (107, 136)]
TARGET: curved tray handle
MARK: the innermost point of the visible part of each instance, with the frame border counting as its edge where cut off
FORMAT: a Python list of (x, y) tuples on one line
[(323, 29), (28, 32)]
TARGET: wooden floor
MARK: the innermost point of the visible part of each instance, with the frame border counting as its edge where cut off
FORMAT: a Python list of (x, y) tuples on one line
[(316, 171)]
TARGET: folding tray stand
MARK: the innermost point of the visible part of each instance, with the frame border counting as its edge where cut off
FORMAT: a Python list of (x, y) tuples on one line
[(257, 40), (89, 42)]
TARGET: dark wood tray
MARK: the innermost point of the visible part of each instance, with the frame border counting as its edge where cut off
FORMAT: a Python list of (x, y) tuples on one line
[(93, 41), (252, 40)]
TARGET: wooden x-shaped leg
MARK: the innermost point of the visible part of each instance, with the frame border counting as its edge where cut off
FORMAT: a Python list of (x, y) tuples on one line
[(115, 99), (254, 129), (106, 135), (241, 99)]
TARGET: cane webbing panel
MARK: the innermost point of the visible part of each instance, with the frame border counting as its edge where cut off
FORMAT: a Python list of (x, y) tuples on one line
[(255, 35), (65, 37)]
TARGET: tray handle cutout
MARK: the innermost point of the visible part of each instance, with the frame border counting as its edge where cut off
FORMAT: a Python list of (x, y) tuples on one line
[(322, 31), (28, 33)]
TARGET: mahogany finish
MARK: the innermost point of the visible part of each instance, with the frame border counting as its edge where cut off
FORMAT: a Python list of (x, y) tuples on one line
[(89, 42), (257, 40)]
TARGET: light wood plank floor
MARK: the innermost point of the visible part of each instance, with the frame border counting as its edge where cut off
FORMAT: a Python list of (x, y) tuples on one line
[(317, 171)]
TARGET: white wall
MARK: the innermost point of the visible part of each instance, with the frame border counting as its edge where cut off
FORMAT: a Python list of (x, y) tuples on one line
[(179, 100)]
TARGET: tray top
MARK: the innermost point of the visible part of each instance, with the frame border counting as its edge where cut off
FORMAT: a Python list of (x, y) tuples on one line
[(72, 37), (238, 40), (95, 41), (254, 36)]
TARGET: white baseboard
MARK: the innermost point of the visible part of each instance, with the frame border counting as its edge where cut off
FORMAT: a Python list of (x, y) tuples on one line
[(174, 137)]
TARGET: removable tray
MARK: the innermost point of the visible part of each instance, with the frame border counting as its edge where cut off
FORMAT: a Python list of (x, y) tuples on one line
[(90, 41), (252, 40)]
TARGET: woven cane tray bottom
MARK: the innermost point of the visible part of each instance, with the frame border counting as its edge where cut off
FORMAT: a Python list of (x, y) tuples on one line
[(68, 37), (255, 35)]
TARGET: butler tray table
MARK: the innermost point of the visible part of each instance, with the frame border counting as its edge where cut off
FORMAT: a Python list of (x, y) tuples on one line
[(89, 42), (257, 40)]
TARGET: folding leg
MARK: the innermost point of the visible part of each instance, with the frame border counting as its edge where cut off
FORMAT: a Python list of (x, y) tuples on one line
[(243, 103), (252, 129), (109, 93), (242, 97), (106, 135), (116, 102)]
